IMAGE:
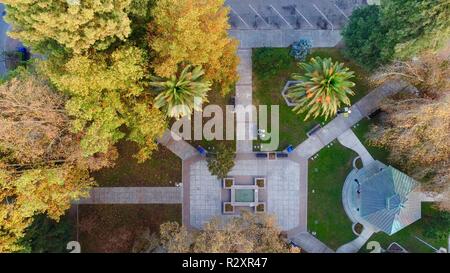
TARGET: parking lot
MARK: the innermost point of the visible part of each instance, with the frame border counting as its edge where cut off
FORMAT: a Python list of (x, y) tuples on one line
[(291, 14)]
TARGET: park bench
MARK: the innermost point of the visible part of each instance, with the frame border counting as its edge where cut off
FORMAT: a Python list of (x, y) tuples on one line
[(375, 113), (261, 155), (282, 155), (314, 130)]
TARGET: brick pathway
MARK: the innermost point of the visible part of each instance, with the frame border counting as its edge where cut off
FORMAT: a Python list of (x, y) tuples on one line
[(134, 195)]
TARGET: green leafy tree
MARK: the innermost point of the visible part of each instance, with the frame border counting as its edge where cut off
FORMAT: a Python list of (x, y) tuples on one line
[(365, 37), (107, 94), (323, 86), (222, 162), (416, 25), (46, 235), (76, 25), (398, 29), (182, 94)]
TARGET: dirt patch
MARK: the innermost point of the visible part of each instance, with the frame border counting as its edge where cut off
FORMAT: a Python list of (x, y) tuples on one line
[(162, 170), (114, 228)]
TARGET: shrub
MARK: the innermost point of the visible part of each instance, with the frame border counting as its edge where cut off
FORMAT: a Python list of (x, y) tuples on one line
[(221, 164), (365, 38), (301, 49)]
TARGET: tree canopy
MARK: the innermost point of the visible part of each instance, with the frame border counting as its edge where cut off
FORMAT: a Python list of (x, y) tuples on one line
[(194, 32), (416, 26), (323, 85), (107, 92), (396, 30), (364, 37), (416, 127), (251, 233), (42, 169), (76, 25)]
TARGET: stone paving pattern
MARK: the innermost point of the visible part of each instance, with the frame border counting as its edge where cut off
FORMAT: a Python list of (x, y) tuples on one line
[(134, 195), (283, 190)]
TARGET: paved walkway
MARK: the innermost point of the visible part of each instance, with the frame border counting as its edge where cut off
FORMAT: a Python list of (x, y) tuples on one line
[(180, 147), (134, 195), (310, 244), (355, 245), (351, 141), (245, 121), (363, 108)]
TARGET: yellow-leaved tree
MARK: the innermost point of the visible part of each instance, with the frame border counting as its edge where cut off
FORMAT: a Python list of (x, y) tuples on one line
[(42, 169), (76, 25), (194, 32)]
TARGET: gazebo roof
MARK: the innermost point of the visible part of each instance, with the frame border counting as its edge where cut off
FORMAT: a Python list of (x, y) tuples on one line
[(389, 200)]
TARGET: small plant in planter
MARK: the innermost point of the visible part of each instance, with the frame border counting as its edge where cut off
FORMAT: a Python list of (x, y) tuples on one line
[(260, 208), (358, 228), (260, 182), (228, 182), (228, 208)]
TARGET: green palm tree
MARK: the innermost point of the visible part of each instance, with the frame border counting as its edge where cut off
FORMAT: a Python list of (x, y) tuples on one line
[(181, 94), (322, 87)]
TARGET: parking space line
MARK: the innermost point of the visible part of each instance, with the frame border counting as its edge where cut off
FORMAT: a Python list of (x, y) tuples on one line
[(240, 18), (304, 17), (326, 18), (279, 14), (257, 14), (341, 11)]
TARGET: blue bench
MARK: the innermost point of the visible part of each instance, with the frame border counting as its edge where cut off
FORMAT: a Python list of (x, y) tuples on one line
[(261, 155), (282, 155)]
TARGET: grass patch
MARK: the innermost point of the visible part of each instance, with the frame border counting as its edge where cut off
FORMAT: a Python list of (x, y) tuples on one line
[(161, 170), (114, 228), (326, 214), (361, 131), (425, 229), (215, 98), (273, 67)]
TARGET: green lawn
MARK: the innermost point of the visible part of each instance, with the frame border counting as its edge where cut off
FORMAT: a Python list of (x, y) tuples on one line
[(215, 98), (272, 68), (163, 169), (361, 131), (326, 215)]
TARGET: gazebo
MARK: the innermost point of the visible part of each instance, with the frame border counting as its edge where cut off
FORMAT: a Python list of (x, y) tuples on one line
[(382, 197)]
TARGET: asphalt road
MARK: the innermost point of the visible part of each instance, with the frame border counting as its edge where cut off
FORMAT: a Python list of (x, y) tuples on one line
[(291, 14)]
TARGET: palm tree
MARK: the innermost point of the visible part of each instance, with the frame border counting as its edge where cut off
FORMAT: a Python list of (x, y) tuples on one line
[(182, 94), (322, 88)]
